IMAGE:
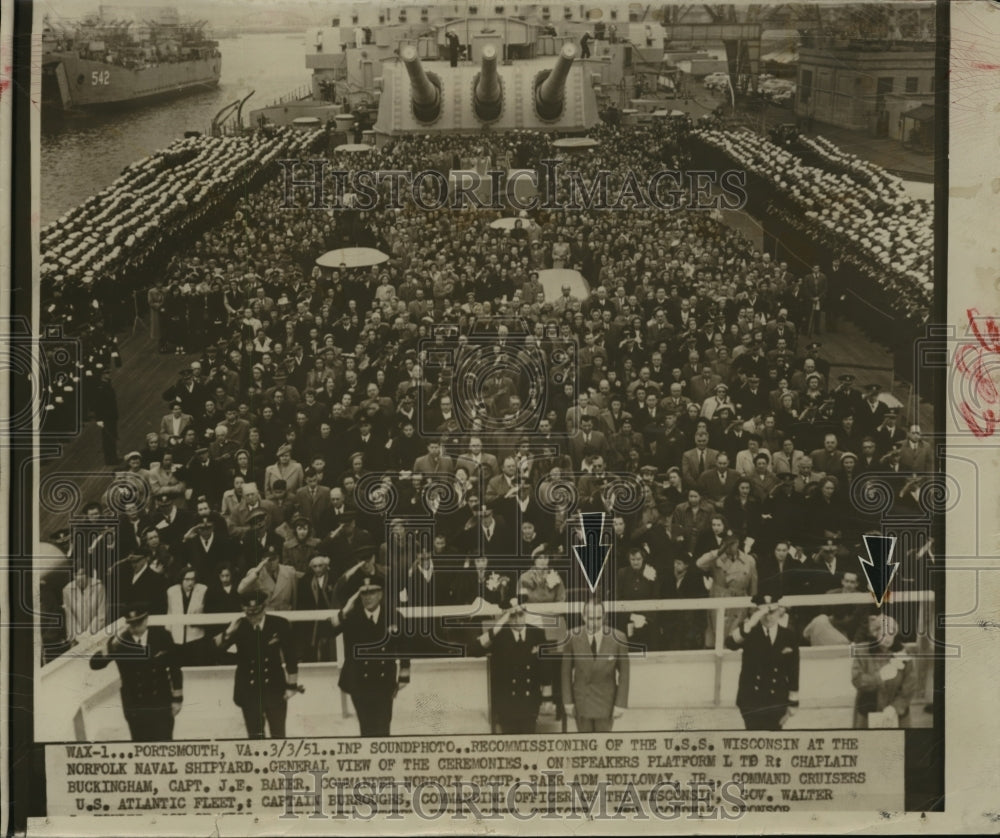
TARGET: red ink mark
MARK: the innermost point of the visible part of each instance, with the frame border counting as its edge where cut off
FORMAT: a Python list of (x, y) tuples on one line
[(973, 361), (992, 329), (979, 65)]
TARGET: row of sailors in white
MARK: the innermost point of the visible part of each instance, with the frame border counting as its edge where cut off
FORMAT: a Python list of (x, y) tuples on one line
[(154, 192), (901, 236)]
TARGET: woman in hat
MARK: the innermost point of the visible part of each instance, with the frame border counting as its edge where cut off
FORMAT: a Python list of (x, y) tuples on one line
[(328, 395), (301, 546), (883, 675), (243, 467), (638, 580), (714, 536), (673, 493), (742, 510), (542, 583), (786, 417), (259, 378), (689, 421), (134, 471), (825, 509), (718, 400), (813, 396)]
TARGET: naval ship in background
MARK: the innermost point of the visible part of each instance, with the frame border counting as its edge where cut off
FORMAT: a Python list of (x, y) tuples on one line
[(124, 55), (383, 68)]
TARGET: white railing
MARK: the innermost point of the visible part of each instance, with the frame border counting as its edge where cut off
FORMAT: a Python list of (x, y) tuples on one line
[(90, 643), (69, 674)]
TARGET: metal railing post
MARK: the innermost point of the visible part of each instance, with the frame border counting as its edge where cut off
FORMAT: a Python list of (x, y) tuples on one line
[(720, 627)]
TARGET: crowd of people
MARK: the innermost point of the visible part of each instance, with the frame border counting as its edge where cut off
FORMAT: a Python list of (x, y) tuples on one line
[(313, 424), (96, 254), (851, 207)]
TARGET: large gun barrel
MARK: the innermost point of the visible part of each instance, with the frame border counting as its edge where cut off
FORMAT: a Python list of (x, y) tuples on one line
[(424, 93), (549, 94), (488, 96)]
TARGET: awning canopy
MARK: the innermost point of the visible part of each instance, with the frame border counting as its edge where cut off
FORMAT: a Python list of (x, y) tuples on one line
[(352, 257), (921, 113)]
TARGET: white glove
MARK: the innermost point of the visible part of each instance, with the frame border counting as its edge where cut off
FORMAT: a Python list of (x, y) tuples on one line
[(638, 620), (888, 672)]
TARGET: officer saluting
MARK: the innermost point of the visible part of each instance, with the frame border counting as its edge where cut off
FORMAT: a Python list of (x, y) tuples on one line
[(266, 666), (370, 676), (520, 683), (152, 684), (769, 677)]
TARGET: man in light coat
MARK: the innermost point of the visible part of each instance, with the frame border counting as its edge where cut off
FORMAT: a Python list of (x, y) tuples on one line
[(278, 582), (595, 672)]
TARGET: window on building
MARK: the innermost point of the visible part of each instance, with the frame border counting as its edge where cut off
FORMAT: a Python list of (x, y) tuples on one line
[(912, 84), (806, 86), (546, 14), (424, 15)]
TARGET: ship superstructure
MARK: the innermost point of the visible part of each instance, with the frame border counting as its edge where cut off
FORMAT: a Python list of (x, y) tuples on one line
[(120, 56)]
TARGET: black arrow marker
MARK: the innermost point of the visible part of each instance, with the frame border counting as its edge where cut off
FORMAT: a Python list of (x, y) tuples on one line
[(879, 568), (592, 554)]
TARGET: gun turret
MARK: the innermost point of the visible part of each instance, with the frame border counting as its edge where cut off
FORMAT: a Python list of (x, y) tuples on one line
[(425, 95), (488, 98), (550, 93)]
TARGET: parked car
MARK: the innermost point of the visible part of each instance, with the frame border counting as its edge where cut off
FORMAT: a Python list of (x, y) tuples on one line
[(715, 81)]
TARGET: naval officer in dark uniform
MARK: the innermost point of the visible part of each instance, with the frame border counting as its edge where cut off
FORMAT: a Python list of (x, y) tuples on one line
[(373, 672), (152, 684), (267, 669), (520, 681), (769, 678)]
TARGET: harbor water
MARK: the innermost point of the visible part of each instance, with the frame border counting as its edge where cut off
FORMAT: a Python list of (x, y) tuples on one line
[(81, 153)]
